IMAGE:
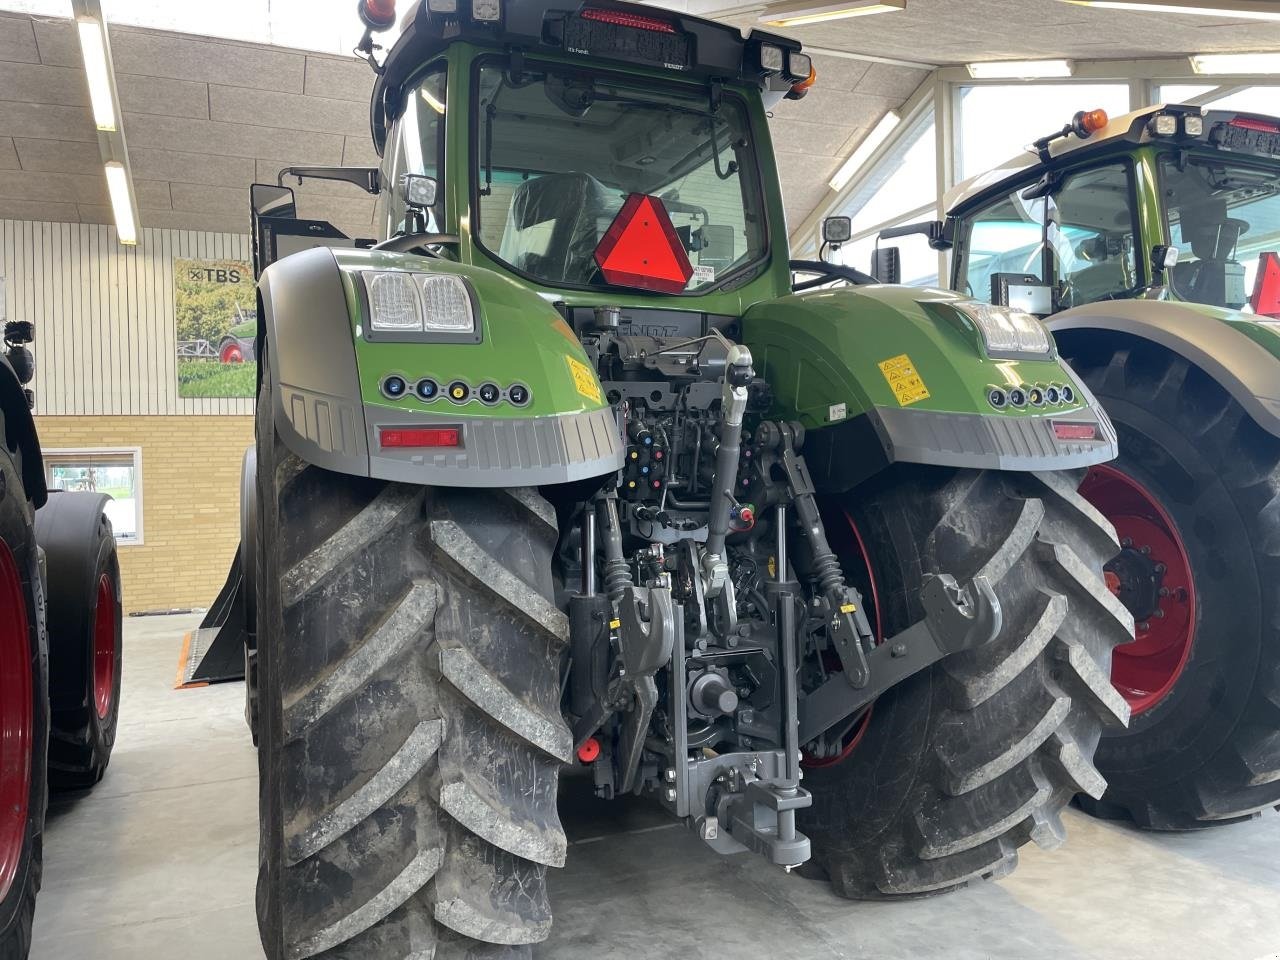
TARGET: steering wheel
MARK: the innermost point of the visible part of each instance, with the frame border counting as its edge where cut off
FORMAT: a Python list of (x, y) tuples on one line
[(405, 242)]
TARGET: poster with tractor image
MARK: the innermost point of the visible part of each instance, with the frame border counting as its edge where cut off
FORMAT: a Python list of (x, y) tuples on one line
[(217, 322)]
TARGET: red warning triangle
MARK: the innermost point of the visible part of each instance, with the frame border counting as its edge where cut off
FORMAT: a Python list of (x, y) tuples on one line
[(1266, 290), (641, 248)]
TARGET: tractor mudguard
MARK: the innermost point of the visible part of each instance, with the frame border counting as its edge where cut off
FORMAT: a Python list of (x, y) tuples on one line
[(881, 375), (333, 406), (1238, 352), (18, 428)]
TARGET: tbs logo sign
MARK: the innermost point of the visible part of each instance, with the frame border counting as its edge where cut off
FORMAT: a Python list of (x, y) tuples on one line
[(213, 274)]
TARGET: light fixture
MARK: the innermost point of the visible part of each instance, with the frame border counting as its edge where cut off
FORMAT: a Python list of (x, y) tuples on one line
[(1236, 63), (1021, 69), (101, 98), (870, 143), (121, 202), (802, 12), (1245, 9)]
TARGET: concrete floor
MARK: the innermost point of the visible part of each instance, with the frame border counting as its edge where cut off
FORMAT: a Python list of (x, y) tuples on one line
[(159, 862)]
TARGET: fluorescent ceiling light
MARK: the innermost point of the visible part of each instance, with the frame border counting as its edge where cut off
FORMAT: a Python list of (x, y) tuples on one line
[(808, 11), (121, 202), (95, 68), (1021, 69), (870, 143), (1236, 63), (1246, 9)]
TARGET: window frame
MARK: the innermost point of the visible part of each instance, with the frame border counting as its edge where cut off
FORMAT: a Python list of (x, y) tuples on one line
[(394, 152), (52, 454), (732, 280)]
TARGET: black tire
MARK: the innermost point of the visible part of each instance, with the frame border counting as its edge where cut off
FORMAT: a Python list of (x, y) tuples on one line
[(17, 539), (1208, 752), (411, 737), (966, 761), (249, 584), (84, 618)]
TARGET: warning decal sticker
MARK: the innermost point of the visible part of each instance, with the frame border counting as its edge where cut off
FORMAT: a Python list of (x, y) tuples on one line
[(903, 380), (584, 380)]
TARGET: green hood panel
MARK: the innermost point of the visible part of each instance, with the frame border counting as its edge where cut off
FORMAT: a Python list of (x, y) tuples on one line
[(523, 340), (825, 348)]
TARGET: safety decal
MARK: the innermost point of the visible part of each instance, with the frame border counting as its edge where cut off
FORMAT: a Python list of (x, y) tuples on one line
[(903, 380), (584, 380)]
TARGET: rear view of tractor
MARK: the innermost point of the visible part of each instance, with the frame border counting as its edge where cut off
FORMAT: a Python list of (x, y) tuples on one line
[(60, 651), (1152, 243), (563, 470)]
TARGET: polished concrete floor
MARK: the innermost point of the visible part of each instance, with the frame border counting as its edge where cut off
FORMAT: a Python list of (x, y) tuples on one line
[(159, 863)]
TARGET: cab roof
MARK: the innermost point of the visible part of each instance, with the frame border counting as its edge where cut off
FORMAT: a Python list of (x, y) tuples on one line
[(713, 51)]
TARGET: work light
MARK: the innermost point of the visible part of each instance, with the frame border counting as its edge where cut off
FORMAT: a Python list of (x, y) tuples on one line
[(393, 303), (770, 58), (446, 304), (799, 66), (486, 11), (407, 302), (1006, 332)]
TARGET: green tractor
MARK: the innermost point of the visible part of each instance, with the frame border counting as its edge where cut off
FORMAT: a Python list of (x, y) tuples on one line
[(563, 470), (1151, 243)]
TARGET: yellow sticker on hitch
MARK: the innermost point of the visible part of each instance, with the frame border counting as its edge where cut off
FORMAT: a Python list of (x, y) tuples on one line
[(584, 380), (903, 379)]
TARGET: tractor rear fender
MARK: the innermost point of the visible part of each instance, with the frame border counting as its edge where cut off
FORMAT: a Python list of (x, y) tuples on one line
[(1226, 345), (885, 374), (549, 424), (19, 431)]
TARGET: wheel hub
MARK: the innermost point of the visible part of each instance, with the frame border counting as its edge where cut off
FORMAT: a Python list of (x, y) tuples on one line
[(17, 713), (105, 644), (1152, 577)]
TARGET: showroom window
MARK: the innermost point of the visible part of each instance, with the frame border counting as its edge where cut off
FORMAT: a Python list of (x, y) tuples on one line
[(999, 121), (117, 473), (903, 188), (1257, 99)]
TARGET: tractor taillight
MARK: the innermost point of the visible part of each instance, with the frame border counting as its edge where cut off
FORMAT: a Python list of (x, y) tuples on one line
[(1253, 123), (378, 14), (622, 18), (1075, 431), (419, 437)]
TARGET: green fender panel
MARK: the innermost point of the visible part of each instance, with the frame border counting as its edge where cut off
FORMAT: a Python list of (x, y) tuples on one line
[(901, 370), (328, 367), (1240, 351)]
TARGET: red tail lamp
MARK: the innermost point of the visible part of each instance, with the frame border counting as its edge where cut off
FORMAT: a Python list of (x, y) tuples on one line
[(1253, 123), (405, 437), (623, 18), (378, 14), (1075, 431)]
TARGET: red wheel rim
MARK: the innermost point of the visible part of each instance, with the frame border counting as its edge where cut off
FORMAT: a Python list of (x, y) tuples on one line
[(105, 643), (859, 729), (17, 720), (1146, 670), (231, 353)]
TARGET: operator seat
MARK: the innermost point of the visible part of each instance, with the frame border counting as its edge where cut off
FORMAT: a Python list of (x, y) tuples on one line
[(554, 225), (1214, 276)]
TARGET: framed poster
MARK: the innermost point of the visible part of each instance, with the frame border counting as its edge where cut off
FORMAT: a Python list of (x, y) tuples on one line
[(217, 323)]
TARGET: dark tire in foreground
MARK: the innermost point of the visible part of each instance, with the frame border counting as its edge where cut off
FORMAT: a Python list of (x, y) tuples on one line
[(1196, 496), (411, 737), (85, 637), (24, 713), (960, 765)]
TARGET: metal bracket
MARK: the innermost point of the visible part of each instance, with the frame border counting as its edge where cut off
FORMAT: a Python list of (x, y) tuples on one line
[(956, 618), (763, 819)]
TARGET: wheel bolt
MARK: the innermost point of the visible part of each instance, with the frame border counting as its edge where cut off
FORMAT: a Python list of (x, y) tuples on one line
[(1144, 626), (1159, 614), (1161, 568), (1164, 591), (1146, 551), (1126, 542)]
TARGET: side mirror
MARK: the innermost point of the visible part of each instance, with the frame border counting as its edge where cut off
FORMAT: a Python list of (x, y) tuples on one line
[(886, 265), (837, 230), (418, 191), (269, 200)]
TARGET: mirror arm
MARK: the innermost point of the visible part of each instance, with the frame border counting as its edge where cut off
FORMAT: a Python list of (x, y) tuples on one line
[(367, 178), (940, 234)]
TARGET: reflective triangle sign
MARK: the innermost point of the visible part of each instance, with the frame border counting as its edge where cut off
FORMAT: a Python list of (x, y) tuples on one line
[(641, 248), (1266, 291)]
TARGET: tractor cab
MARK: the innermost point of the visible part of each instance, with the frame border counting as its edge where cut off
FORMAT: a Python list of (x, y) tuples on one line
[(597, 153), (1171, 203)]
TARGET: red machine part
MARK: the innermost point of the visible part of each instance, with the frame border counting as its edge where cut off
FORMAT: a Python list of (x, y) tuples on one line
[(17, 719), (642, 249), (1266, 289)]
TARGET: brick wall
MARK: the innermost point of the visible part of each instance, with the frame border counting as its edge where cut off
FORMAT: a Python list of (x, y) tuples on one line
[(190, 500)]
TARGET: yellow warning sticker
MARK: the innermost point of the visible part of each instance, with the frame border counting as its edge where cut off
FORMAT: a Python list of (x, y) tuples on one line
[(903, 380), (584, 380)]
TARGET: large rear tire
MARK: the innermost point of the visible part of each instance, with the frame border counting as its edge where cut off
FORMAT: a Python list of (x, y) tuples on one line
[(1197, 490), (24, 713), (960, 765), (85, 631), (411, 736)]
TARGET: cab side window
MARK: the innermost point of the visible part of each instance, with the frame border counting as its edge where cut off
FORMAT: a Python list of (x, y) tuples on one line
[(1007, 237), (416, 145)]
